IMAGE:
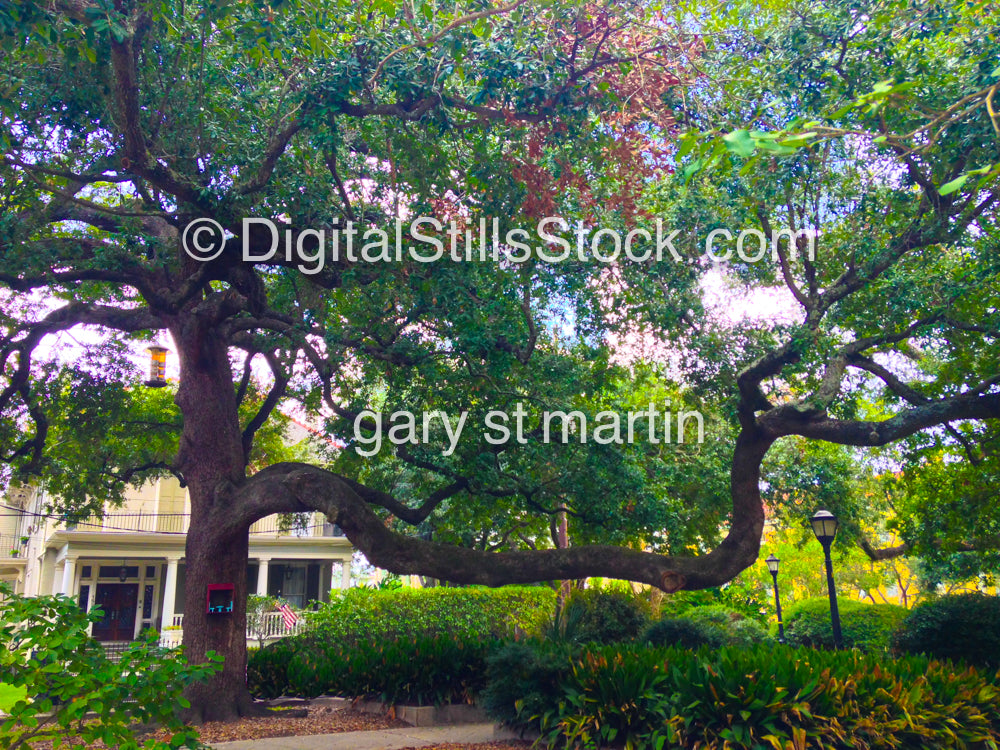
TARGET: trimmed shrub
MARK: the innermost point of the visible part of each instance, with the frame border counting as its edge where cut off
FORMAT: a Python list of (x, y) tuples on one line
[(684, 632), (680, 603), (422, 670), (714, 614), (747, 632), (604, 615), (361, 614), (868, 627), (733, 597), (963, 627), (736, 628), (746, 699)]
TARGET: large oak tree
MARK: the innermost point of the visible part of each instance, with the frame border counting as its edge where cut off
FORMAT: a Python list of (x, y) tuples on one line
[(124, 121)]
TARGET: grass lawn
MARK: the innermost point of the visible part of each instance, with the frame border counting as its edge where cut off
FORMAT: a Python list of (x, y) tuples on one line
[(9, 695)]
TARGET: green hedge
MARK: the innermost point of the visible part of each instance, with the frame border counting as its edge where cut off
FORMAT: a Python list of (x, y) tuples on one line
[(361, 614), (744, 699), (865, 626), (421, 670), (963, 627), (713, 626)]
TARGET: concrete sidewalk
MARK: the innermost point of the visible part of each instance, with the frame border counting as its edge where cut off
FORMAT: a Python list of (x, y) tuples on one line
[(383, 739)]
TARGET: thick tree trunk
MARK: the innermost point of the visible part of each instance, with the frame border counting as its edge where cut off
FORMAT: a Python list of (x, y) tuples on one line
[(212, 462), (213, 557)]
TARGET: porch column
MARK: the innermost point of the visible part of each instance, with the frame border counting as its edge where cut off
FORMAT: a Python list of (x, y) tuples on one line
[(345, 575), (169, 593), (262, 569), (57, 576), (68, 576)]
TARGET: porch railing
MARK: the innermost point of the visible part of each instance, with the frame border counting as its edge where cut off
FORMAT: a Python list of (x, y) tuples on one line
[(272, 627)]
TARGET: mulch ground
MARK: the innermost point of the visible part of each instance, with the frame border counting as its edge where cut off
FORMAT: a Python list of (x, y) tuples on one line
[(321, 720)]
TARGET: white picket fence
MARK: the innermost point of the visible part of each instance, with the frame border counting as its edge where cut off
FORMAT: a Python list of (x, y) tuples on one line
[(272, 627)]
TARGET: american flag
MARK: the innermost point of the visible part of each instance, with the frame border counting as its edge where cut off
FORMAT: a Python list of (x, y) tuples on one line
[(288, 616)]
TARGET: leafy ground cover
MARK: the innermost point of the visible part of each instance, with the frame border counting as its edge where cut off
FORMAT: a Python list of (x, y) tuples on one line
[(740, 698)]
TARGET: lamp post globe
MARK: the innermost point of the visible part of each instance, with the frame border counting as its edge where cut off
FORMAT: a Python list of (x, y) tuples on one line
[(824, 525)]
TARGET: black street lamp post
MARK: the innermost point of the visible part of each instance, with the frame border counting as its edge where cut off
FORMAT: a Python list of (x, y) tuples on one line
[(772, 565), (824, 525)]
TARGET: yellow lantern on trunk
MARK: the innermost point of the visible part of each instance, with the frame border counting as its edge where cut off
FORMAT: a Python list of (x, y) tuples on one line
[(157, 367)]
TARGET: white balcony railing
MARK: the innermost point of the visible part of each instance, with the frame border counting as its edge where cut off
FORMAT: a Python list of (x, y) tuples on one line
[(12, 547), (313, 526)]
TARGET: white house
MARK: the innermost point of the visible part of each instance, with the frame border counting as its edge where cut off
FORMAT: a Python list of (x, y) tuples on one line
[(131, 561)]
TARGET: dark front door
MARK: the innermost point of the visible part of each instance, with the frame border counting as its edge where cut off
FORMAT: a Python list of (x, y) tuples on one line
[(117, 601)]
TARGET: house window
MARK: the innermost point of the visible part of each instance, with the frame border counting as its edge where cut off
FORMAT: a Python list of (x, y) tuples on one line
[(85, 571), (147, 602), (150, 571), (293, 585), (84, 597), (113, 571)]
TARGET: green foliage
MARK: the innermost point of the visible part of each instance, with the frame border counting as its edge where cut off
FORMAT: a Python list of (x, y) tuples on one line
[(677, 604), (100, 419), (749, 699), (876, 110), (521, 677), (865, 626), (390, 582), (963, 627), (736, 629), (684, 632), (45, 649), (9, 695), (603, 615), (362, 614), (945, 504), (421, 670), (714, 614), (710, 625), (267, 667), (742, 595)]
